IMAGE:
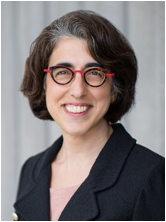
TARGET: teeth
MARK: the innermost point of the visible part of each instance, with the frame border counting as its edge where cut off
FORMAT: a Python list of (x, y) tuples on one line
[(76, 109)]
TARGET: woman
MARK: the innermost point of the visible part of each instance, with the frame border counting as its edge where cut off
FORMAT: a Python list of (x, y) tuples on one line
[(81, 73)]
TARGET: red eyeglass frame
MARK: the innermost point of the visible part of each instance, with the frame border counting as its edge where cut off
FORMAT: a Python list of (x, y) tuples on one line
[(49, 70)]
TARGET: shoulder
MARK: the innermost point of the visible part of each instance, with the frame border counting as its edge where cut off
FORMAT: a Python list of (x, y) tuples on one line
[(138, 155), (37, 162), (34, 165), (31, 164), (27, 174), (145, 171), (139, 164), (145, 159), (150, 170)]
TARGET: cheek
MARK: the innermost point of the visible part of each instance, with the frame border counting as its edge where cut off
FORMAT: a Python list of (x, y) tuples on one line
[(104, 95), (51, 94), (103, 99)]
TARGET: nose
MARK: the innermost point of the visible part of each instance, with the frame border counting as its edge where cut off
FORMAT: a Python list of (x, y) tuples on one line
[(79, 71), (78, 87)]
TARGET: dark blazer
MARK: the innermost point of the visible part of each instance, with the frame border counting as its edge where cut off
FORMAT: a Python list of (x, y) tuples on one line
[(125, 183)]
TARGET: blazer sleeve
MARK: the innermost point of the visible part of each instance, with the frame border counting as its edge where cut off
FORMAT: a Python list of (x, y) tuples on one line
[(150, 204)]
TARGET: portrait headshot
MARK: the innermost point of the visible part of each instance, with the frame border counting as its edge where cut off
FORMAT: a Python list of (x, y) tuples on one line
[(83, 111)]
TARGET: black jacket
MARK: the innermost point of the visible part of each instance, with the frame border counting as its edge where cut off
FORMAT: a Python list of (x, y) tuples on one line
[(125, 183)]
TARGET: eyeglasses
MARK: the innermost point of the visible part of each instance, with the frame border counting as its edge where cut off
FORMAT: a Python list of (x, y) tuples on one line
[(63, 75)]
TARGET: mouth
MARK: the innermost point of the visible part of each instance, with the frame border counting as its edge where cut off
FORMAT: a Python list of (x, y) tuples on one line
[(77, 108)]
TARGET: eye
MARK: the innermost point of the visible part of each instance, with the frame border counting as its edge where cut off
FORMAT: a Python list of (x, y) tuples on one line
[(63, 72), (59, 72), (96, 73)]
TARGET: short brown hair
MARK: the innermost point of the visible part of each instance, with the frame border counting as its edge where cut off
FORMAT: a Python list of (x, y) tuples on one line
[(106, 45)]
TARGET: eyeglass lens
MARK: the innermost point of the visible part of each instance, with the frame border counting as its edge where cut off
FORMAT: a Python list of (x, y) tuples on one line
[(93, 77)]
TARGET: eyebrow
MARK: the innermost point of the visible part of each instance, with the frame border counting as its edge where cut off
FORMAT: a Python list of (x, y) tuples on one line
[(88, 65)]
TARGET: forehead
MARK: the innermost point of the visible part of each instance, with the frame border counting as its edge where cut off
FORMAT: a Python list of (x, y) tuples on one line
[(71, 50)]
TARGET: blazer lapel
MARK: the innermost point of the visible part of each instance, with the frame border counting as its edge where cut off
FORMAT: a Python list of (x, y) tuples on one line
[(111, 159), (104, 173), (82, 206), (35, 206)]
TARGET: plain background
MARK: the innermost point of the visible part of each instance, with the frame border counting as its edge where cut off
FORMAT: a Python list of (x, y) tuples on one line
[(23, 135)]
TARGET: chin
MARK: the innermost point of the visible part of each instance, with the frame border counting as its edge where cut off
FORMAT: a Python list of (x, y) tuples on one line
[(76, 131)]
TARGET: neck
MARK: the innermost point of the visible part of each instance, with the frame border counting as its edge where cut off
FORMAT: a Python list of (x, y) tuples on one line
[(84, 149)]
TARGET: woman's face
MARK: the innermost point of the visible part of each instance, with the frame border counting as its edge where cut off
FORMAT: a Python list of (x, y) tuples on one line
[(77, 107)]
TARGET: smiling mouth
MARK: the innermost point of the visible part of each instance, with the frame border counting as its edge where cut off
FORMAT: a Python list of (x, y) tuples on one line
[(76, 109)]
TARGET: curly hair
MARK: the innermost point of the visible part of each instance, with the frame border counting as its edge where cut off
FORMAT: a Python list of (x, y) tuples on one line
[(106, 45)]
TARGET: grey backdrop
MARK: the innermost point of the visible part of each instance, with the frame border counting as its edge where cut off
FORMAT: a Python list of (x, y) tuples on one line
[(23, 135)]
